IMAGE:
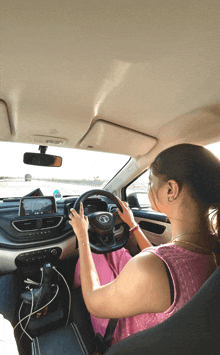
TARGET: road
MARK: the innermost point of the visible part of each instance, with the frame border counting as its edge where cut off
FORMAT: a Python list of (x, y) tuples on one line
[(12, 188)]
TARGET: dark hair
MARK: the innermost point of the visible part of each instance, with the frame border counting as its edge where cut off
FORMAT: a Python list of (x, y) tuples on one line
[(197, 168)]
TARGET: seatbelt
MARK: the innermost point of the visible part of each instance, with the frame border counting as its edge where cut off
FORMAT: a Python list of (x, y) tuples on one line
[(103, 343)]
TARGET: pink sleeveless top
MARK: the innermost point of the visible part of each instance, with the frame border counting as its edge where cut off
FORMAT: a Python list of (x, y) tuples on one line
[(189, 270)]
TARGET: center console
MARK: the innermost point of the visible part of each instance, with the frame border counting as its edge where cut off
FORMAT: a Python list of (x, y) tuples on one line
[(45, 316), (44, 304), (38, 257), (63, 341)]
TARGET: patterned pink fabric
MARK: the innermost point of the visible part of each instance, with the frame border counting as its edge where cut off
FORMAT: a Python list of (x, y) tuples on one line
[(189, 270)]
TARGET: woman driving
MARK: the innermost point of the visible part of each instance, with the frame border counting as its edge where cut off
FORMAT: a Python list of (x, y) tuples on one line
[(147, 289)]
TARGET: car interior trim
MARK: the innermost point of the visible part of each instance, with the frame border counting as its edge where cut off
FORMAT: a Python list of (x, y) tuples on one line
[(8, 256), (36, 219), (156, 238), (106, 135)]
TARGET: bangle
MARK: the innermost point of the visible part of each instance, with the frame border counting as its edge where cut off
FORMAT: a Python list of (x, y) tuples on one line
[(136, 225), (83, 245), (133, 229)]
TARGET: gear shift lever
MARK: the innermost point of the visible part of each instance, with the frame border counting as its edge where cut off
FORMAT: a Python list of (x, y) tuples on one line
[(42, 295), (47, 274)]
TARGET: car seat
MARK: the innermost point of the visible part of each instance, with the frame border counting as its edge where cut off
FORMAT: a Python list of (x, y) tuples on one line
[(194, 329)]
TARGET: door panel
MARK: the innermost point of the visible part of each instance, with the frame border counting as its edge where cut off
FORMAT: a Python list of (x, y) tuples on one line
[(155, 226)]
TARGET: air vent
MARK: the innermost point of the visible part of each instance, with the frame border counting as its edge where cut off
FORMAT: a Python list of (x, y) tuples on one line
[(25, 225), (37, 224), (50, 222)]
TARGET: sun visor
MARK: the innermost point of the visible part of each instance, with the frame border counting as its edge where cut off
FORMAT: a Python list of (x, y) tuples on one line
[(5, 131), (108, 137)]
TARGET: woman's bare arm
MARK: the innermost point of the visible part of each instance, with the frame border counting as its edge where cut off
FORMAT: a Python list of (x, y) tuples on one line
[(142, 240), (141, 287)]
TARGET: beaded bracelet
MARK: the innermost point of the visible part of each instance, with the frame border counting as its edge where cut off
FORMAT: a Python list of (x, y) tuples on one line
[(83, 245), (133, 229)]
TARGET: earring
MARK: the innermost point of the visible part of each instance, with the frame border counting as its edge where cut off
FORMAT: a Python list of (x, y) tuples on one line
[(169, 199)]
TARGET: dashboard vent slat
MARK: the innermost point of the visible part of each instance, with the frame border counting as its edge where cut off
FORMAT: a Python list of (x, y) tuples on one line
[(49, 222), (37, 224), (26, 225)]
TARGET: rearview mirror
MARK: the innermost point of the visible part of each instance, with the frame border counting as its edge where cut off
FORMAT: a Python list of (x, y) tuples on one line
[(42, 159)]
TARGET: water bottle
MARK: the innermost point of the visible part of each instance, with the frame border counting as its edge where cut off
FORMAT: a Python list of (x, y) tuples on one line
[(57, 195)]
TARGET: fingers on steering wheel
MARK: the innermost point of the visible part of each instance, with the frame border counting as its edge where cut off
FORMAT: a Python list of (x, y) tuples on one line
[(74, 213), (121, 203), (125, 204), (119, 200), (81, 211)]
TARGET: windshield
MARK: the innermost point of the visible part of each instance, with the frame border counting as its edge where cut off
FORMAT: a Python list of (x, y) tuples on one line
[(80, 171)]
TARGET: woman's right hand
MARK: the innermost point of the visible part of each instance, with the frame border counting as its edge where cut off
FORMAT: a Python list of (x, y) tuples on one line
[(127, 215)]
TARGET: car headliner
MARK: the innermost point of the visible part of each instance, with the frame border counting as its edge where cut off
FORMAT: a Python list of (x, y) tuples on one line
[(148, 66)]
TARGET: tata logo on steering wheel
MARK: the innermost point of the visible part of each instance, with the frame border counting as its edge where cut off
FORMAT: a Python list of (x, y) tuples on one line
[(104, 219)]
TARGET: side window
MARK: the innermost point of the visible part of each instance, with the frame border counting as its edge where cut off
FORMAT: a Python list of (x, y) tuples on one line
[(137, 192)]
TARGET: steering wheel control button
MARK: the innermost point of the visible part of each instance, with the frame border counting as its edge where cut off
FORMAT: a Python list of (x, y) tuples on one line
[(38, 257), (54, 252)]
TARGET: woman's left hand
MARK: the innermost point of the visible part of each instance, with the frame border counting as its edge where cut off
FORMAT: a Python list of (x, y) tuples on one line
[(127, 215), (80, 224)]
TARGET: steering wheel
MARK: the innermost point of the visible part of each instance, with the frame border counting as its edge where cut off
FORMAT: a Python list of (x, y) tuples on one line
[(107, 231)]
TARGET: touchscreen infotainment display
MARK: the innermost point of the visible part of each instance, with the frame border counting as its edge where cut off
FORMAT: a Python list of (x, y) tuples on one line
[(37, 206)]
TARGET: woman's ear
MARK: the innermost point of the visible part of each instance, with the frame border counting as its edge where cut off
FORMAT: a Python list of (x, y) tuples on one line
[(173, 190)]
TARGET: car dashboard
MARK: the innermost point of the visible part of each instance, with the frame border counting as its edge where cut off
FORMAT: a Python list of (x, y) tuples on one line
[(37, 234)]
